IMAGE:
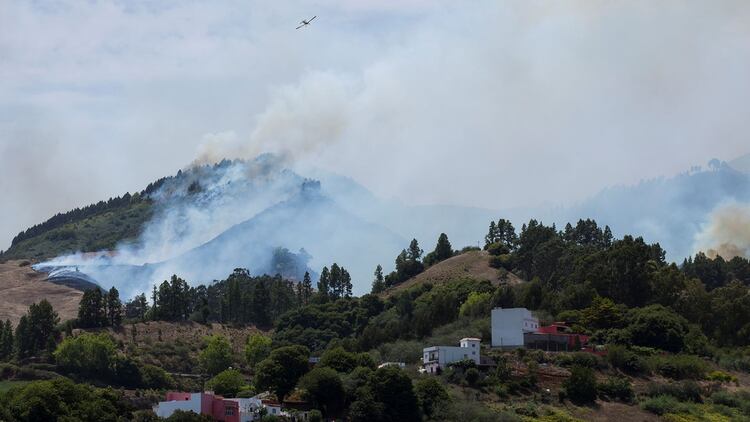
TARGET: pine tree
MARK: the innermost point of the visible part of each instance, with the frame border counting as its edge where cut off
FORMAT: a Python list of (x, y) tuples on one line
[(415, 253), (154, 305), (346, 283), (306, 288), (6, 341), (23, 342), (607, 236), (43, 322), (335, 281), (506, 234), (491, 236), (323, 283), (378, 284), (443, 249), (261, 304), (114, 308), (141, 306), (9, 339), (91, 309)]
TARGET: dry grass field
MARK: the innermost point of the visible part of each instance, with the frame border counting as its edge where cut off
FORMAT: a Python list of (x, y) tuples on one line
[(20, 286)]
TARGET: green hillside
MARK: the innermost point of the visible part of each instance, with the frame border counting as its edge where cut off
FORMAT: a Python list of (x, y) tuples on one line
[(96, 227)]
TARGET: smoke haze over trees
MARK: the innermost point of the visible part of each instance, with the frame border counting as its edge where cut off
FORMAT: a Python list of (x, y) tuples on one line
[(364, 83)]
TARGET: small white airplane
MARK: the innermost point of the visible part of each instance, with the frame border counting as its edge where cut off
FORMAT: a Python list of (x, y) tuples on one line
[(306, 22)]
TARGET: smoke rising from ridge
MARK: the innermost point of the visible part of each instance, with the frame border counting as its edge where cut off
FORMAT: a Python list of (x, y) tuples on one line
[(727, 233), (494, 105)]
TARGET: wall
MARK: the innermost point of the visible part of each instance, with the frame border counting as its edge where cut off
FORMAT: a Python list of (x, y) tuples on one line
[(508, 326)]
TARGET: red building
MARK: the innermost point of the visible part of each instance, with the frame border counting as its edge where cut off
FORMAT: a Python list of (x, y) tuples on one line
[(219, 408), (555, 337)]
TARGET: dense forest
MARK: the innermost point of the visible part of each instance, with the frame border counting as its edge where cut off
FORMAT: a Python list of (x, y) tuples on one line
[(688, 324)]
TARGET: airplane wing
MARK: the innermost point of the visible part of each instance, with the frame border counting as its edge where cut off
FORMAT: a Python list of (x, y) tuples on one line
[(300, 26), (311, 19)]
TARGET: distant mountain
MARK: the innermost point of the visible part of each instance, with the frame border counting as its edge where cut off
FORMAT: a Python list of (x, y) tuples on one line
[(670, 211), (741, 163), (205, 221)]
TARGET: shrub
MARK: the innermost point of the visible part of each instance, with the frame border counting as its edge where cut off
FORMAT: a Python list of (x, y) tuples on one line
[(658, 326), (682, 391), (155, 377), (257, 348), (217, 355), (323, 388), (587, 360), (91, 355), (721, 376), (626, 360), (432, 395), (476, 305), (501, 390), (616, 388), (226, 383), (660, 405), (726, 399), (472, 376), (680, 366), (246, 392), (580, 388)]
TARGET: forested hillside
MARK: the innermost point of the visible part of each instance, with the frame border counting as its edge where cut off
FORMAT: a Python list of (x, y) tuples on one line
[(667, 341), (97, 227)]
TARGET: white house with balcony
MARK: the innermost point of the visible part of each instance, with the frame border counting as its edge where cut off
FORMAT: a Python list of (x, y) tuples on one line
[(509, 326), (438, 357)]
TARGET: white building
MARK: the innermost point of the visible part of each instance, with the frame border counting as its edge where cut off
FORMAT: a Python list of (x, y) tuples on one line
[(439, 356), (509, 325)]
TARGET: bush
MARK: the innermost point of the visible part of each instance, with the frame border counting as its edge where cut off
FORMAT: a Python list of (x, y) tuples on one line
[(476, 305), (587, 360), (227, 383), (726, 399), (89, 355), (432, 396), (246, 392), (660, 405), (472, 376), (658, 326), (323, 388), (626, 360), (680, 366), (721, 376), (217, 355), (580, 388), (616, 388), (682, 391), (155, 377)]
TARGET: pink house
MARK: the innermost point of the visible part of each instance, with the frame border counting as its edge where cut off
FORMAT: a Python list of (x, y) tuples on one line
[(219, 408)]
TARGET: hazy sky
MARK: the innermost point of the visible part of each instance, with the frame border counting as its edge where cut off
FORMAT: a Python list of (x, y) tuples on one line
[(494, 104)]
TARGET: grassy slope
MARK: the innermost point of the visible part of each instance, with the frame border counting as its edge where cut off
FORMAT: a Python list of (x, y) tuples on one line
[(98, 232), (473, 264)]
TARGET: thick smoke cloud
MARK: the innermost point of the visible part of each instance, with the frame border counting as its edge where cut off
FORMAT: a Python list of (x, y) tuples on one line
[(727, 233), (493, 104)]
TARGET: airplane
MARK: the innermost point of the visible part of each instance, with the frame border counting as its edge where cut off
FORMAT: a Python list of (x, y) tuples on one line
[(306, 22)]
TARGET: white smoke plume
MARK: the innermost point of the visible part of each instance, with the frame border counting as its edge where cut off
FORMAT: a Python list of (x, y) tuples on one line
[(727, 233)]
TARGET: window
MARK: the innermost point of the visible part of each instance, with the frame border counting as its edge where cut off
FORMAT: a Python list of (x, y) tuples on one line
[(228, 411)]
